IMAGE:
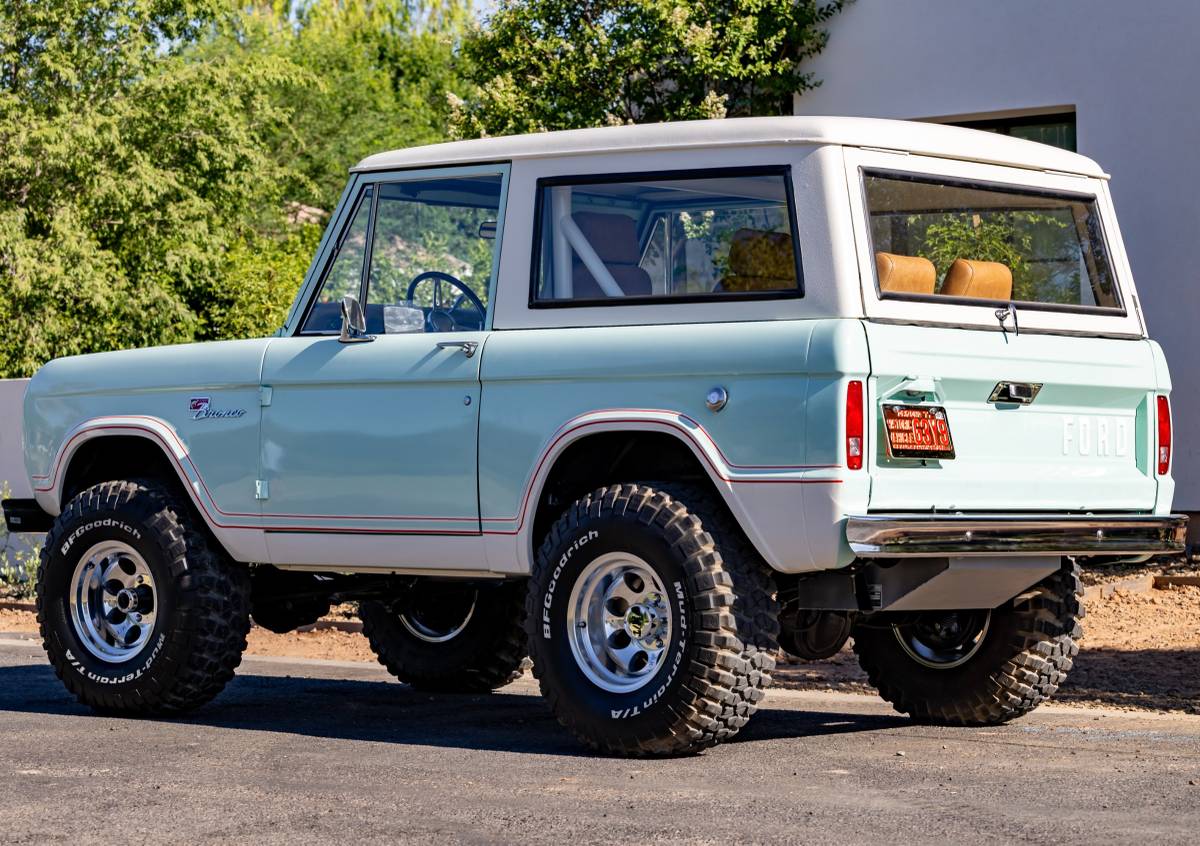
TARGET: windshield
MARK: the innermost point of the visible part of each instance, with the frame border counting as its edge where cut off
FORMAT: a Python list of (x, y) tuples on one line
[(949, 240)]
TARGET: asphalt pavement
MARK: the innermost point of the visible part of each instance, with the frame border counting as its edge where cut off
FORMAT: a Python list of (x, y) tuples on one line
[(317, 751)]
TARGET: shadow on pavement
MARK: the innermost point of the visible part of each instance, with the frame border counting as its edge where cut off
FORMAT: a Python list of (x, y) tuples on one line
[(1155, 679), (386, 712)]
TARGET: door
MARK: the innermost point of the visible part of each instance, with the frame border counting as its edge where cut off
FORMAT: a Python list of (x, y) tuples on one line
[(379, 437)]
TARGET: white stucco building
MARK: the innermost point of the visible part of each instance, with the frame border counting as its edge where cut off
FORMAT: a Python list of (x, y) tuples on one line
[(1115, 80)]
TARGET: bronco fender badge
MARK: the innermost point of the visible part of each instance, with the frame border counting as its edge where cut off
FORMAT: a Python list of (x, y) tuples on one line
[(201, 409)]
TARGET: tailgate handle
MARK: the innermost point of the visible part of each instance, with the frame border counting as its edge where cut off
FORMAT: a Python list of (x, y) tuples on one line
[(1021, 393)]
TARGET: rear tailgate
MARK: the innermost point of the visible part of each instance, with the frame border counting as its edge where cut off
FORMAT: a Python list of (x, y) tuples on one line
[(1083, 444)]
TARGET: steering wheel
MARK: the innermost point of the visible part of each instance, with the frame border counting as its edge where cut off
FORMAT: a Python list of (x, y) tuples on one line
[(438, 317)]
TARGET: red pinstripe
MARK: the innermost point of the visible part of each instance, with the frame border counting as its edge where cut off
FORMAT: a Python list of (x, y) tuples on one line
[(564, 430)]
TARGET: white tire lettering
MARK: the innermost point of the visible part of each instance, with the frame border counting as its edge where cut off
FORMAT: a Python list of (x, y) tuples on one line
[(548, 599), (620, 714), (107, 522)]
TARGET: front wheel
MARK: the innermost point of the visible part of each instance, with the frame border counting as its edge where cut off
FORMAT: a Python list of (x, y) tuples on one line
[(976, 667), (139, 612), (633, 628)]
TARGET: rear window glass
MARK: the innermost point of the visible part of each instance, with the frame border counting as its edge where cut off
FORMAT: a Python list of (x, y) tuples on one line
[(666, 237), (951, 240)]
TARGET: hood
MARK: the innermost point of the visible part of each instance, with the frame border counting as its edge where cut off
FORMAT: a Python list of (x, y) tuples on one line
[(213, 364)]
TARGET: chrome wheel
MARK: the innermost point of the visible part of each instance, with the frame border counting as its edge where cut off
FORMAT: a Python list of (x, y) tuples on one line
[(944, 640), (620, 622), (439, 612), (113, 601)]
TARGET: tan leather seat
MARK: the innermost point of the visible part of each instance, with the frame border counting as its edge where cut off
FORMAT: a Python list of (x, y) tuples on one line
[(760, 261), (905, 274), (982, 280)]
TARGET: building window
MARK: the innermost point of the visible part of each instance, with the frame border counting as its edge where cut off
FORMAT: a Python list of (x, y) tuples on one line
[(1057, 130)]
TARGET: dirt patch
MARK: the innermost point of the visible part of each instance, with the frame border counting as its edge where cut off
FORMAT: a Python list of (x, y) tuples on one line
[(328, 645), (17, 621)]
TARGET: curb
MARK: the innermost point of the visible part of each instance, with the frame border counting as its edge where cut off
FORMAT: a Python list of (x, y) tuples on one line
[(1167, 582), (1135, 584), (351, 626)]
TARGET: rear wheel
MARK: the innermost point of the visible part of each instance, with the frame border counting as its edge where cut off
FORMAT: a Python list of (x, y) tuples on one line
[(632, 626), (450, 636), (976, 667), (138, 611)]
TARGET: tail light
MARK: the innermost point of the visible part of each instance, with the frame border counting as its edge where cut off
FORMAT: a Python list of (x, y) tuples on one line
[(854, 425), (1164, 436)]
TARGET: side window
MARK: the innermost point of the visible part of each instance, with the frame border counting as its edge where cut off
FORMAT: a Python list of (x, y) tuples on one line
[(432, 254), (428, 247), (345, 273), (666, 237)]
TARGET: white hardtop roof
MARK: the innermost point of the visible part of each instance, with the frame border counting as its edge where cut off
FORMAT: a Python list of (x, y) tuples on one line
[(908, 136)]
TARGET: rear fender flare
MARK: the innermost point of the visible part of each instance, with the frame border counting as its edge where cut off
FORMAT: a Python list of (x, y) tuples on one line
[(759, 497)]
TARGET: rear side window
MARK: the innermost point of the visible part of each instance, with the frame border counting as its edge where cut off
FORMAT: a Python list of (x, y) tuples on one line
[(948, 240), (666, 237)]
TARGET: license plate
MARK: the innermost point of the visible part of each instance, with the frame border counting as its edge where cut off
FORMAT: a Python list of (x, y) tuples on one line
[(917, 431)]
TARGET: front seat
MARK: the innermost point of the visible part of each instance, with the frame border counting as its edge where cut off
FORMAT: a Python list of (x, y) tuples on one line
[(905, 274), (981, 280), (614, 238)]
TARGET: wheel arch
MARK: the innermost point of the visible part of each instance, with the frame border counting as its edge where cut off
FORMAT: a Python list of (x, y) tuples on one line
[(122, 448), (597, 450)]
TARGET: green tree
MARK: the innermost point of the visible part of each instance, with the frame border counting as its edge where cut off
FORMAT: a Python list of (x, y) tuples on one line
[(258, 281), (127, 167), (381, 71), (562, 64)]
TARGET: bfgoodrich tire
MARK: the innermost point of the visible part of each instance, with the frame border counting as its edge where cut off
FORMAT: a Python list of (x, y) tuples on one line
[(972, 668), (631, 626), (138, 612), (450, 636)]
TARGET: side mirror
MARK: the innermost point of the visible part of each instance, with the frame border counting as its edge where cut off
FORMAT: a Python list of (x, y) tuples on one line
[(354, 322)]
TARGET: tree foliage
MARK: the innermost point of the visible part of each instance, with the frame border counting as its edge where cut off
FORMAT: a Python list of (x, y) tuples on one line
[(125, 169), (563, 64), (149, 149), (381, 70)]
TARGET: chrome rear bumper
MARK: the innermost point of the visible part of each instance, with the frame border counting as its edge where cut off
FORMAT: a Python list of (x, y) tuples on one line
[(925, 535)]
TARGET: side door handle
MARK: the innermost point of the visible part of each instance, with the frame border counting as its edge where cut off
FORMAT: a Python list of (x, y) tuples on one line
[(468, 347)]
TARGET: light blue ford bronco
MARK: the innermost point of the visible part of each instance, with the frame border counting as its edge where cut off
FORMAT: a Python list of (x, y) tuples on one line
[(646, 404)]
